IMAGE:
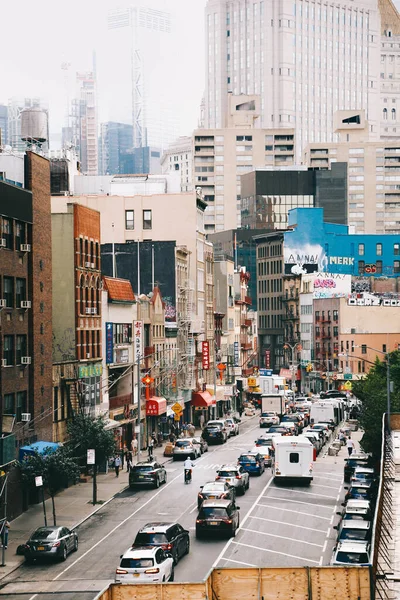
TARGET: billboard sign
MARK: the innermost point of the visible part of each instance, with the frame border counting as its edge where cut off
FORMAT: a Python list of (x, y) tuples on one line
[(331, 285)]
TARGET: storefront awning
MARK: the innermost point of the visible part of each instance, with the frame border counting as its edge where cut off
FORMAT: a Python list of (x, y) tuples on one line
[(202, 399), (156, 406), (110, 424)]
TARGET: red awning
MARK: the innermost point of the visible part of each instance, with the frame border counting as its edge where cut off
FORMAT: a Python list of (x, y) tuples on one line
[(202, 399), (156, 406)]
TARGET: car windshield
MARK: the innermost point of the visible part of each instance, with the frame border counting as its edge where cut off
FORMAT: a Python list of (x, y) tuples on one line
[(354, 534), (263, 442), (247, 458), (354, 558), (227, 473), (182, 443), (290, 419), (44, 534), (268, 414), (214, 487), (215, 425), (211, 512), (144, 539), (143, 468), (136, 563)]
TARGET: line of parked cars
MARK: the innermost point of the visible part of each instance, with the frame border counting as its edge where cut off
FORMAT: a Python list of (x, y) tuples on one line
[(353, 546)]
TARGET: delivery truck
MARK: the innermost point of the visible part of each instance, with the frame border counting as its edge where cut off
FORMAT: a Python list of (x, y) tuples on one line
[(272, 384), (293, 459), (327, 410), (273, 403)]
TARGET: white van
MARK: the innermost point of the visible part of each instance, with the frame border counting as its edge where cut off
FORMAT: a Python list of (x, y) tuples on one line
[(293, 459)]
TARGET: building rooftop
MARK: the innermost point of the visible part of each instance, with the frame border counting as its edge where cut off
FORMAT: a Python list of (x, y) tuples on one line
[(119, 290), (390, 18)]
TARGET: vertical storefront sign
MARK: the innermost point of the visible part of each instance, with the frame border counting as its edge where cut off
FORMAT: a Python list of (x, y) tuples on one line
[(138, 337), (205, 348), (109, 344), (236, 353), (267, 359)]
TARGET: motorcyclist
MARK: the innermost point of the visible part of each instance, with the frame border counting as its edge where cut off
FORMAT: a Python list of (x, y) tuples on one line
[(188, 466)]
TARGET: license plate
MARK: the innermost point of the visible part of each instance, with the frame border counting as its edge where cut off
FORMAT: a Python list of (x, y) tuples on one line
[(214, 523), (141, 477), (40, 547), (247, 464), (136, 574), (211, 497)]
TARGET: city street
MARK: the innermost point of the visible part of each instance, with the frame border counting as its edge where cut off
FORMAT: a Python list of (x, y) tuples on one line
[(279, 526)]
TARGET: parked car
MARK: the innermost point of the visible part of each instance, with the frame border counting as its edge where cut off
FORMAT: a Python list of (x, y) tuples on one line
[(294, 418), (50, 542), (324, 428), (319, 432), (354, 530), (314, 439), (214, 434), (216, 490), (265, 452), (363, 474), (233, 426), (186, 448), (351, 553), (218, 517), (145, 565), (148, 472), (168, 536), (358, 459), (235, 476), (279, 429), (202, 444), (252, 462), (361, 491), (357, 509), (269, 418)]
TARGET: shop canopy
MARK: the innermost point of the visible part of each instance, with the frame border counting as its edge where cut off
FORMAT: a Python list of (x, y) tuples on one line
[(202, 399), (38, 448), (156, 406)]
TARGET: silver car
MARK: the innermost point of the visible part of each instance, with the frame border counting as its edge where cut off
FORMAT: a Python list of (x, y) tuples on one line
[(235, 476), (186, 448)]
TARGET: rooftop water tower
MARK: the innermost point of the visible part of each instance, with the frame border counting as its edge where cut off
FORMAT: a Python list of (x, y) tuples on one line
[(34, 126)]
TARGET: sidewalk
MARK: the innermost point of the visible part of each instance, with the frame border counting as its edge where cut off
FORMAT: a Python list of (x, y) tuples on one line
[(73, 507)]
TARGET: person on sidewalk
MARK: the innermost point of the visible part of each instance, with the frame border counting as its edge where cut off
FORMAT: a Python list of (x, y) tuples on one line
[(128, 459), (202, 421), (134, 446), (117, 465), (350, 446), (4, 534), (150, 448), (191, 429)]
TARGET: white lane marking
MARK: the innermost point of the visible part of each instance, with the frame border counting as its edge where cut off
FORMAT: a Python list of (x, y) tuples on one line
[(33, 597), (130, 516), (289, 524), (195, 507), (296, 512), (318, 476), (229, 542), (311, 494), (239, 562), (282, 537), (325, 545), (275, 552), (331, 521), (293, 502)]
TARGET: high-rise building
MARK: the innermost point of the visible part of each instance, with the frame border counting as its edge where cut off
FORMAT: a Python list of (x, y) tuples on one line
[(305, 59), (116, 139), (141, 36), (390, 70), (178, 157), (15, 108), (3, 124)]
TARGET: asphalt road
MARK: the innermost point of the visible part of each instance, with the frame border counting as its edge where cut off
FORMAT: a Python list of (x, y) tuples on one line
[(280, 526)]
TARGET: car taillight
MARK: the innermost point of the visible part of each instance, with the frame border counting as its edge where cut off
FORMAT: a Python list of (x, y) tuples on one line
[(238, 477), (56, 544), (121, 572), (166, 546), (217, 477), (152, 570), (229, 521), (199, 520)]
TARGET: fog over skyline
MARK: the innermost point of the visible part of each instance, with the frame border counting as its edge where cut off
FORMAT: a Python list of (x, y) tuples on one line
[(46, 34)]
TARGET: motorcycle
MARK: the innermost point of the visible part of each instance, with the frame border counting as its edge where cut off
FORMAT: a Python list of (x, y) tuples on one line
[(188, 475)]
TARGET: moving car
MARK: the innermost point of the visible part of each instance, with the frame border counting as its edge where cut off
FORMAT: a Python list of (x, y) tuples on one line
[(50, 542), (186, 448), (202, 443), (354, 530), (319, 432), (168, 536), (227, 427), (214, 434), (266, 440), (291, 427), (323, 428), (235, 476), (233, 426), (145, 565), (279, 429), (252, 462), (269, 418), (358, 459), (351, 553), (218, 517), (216, 490), (265, 452), (148, 472), (294, 418)]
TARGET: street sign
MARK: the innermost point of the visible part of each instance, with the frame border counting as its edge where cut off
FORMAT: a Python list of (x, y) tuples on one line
[(177, 408), (91, 456), (348, 376), (39, 481), (177, 417)]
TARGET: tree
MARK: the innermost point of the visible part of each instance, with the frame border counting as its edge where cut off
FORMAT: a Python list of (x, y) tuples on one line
[(57, 468), (372, 392)]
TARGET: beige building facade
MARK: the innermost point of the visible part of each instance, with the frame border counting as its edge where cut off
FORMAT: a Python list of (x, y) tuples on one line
[(178, 158)]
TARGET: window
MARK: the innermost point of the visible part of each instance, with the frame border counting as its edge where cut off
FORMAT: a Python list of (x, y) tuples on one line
[(21, 348), (7, 233), (8, 349), (361, 267), (21, 405), (383, 347), (20, 291), (379, 266), (8, 291), (396, 249), (122, 333), (147, 219), (361, 249), (363, 349), (293, 457), (130, 219), (20, 237), (8, 404), (317, 315), (379, 249), (335, 315), (396, 266)]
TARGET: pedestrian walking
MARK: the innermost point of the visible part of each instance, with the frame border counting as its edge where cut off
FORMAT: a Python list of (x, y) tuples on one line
[(150, 448), (202, 419), (4, 533), (128, 459), (350, 445), (172, 437), (184, 429), (134, 446), (117, 465), (191, 429)]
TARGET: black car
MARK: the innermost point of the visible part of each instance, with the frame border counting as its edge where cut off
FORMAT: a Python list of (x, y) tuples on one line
[(213, 434), (215, 490), (353, 461), (50, 542), (279, 429), (217, 517), (148, 472), (169, 536), (333, 394)]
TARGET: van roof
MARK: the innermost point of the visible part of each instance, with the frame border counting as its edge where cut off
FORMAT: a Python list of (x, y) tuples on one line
[(299, 440)]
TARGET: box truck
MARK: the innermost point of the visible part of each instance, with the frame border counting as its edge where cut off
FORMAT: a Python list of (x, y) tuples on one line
[(273, 403), (293, 459), (326, 410), (272, 385)]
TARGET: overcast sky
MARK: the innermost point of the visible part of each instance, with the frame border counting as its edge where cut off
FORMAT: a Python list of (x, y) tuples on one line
[(36, 37)]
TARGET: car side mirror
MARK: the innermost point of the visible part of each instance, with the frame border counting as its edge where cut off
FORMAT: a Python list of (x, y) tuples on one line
[(121, 555), (343, 504), (201, 487), (346, 488), (237, 507)]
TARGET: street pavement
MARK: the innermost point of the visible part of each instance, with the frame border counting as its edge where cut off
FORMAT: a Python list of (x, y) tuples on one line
[(280, 526)]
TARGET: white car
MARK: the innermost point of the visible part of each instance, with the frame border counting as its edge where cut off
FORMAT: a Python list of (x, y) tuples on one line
[(145, 565), (185, 448), (264, 451), (223, 423), (269, 418), (351, 553), (234, 427)]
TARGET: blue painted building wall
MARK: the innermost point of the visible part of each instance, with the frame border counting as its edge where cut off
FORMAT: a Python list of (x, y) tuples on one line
[(313, 245)]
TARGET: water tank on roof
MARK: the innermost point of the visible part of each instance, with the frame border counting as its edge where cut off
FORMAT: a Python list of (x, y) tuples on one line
[(34, 125)]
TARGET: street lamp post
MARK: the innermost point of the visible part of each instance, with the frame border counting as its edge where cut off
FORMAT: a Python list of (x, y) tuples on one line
[(291, 347)]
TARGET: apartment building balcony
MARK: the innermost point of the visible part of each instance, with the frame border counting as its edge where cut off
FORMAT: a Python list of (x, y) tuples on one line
[(327, 321), (326, 336), (289, 316), (246, 345), (248, 322), (201, 150)]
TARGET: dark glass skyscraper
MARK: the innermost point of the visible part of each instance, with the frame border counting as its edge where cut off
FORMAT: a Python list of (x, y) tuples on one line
[(115, 143)]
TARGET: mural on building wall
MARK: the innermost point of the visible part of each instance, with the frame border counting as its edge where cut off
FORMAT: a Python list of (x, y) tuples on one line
[(331, 285), (301, 258), (64, 346)]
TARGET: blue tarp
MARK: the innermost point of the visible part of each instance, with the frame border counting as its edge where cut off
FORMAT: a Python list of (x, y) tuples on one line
[(39, 447)]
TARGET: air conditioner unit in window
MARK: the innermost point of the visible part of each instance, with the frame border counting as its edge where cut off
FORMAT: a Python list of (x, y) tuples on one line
[(26, 417), (88, 265), (3, 243), (25, 248), (94, 311), (88, 355), (26, 360), (3, 304), (88, 311), (26, 304), (3, 362), (93, 265)]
